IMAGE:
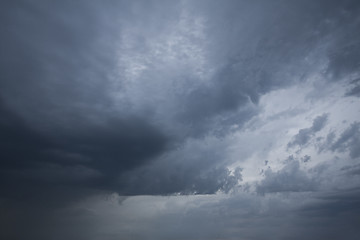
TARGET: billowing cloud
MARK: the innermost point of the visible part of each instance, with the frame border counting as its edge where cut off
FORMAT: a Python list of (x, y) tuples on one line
[(289, 179), (304, 135)]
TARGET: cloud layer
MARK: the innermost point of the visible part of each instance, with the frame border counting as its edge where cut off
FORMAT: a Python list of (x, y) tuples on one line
[(227, 115)]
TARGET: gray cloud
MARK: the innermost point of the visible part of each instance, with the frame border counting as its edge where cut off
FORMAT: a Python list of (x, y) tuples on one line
[(340, 211), (289, 179), (348, 141), (355, 88), (305, 134), (141, 98), (65, 53), (255, 217), (352, 170), (92, 157)]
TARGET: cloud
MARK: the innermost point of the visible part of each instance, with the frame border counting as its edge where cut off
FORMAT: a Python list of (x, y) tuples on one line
[(91, 157), (339, 211), (191, 169), (246, 215), (355, 90), (291, 178), (353, 169), (348, 141), (183, 102), (304, 135)]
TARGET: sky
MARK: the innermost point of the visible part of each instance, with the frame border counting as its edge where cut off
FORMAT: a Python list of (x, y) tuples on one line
[(174, 120)]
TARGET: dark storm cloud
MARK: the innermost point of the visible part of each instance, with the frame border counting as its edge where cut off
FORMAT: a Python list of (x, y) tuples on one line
[(89, 104), (305, 134), (56, 63), (59, 61), (90, 157), (58, 124), (14, 133)]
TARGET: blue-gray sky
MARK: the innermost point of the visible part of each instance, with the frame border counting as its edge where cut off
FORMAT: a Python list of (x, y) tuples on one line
[(179, 119)]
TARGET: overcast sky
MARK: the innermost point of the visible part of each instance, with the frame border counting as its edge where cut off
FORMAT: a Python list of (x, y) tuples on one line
[(174, 120)]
